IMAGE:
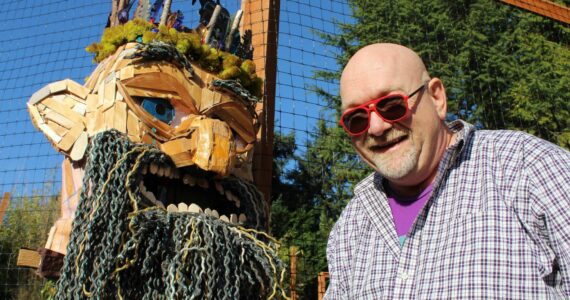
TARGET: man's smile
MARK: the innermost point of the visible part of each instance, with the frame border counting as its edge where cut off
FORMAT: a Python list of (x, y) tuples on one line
[(388, 145)]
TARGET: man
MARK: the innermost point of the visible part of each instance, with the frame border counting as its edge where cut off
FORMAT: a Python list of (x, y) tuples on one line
[(450, 212)]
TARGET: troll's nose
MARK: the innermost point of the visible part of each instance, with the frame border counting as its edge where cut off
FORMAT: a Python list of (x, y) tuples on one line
[(204, 142)]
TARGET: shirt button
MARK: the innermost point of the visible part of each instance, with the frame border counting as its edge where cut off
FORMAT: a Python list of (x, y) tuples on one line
[(404, 276)]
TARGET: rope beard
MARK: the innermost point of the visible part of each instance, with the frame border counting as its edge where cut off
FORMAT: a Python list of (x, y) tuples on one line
[(122, 247)]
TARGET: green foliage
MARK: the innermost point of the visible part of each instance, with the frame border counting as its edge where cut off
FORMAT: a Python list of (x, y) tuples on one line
[(26, 224), (309, 192), (114, 37), (225, 65), (504, 68)]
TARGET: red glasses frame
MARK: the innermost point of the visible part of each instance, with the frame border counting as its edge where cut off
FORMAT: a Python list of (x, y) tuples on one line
[(374, 103)]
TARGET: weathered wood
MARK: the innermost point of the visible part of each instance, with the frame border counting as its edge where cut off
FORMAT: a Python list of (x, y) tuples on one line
[(544, 8), (165, 12), (36, 117), (132, 124), (58, 86), (237, 117), (79, 147), (322, 284), (77, 89), (62, 110), (110, 117), (59, 119), (69, 139), (39, 95), (80, 108), (147, 92), (58, 129), (52, 136), (262, 17), (28, 258), (120, 122), (4, 206)]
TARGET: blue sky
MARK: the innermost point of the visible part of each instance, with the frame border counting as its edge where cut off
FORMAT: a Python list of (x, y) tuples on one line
[(44, 41)]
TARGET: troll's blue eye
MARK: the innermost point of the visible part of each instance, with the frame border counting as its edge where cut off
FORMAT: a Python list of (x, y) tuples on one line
[(159, 108)]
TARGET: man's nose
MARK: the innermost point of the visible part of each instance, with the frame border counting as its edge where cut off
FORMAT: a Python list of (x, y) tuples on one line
[(377, 125)]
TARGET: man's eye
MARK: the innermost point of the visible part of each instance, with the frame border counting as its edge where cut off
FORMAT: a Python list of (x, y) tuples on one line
[(159, 108)]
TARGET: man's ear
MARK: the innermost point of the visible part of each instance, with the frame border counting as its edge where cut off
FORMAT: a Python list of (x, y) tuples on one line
[(58, 110), (439, 97)]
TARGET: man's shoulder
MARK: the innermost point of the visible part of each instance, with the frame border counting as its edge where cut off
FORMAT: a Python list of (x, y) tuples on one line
[(365, 184), (514, 142)]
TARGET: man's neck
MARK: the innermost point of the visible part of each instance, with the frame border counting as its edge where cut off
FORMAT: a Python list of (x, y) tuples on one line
[(414, 190)]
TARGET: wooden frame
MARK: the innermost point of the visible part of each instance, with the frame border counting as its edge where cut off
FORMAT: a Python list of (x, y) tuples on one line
[(544, 8)]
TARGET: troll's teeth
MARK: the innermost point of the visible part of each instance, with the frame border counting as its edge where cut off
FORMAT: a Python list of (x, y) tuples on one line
[(219, 188), (233, 218), (144, 169), (224, 218), (153, 168), (182, 207), (194, 208), (229, 196), (215, 213), (238, 203), (149, 195), (171, 208), (242, 218), (208, 212)]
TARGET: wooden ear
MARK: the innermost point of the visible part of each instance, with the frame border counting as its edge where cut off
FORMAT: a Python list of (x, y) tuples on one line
[(58, 110)]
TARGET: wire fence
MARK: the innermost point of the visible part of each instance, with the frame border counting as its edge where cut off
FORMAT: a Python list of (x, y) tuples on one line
[(44, 41)]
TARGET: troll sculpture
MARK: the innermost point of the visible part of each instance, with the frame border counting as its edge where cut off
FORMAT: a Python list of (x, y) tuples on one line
[(157, 199)]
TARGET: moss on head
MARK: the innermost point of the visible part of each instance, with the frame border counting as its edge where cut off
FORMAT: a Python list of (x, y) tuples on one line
[(224, 65)]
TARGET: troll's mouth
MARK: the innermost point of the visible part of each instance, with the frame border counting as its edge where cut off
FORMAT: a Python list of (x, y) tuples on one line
[(189, 190)]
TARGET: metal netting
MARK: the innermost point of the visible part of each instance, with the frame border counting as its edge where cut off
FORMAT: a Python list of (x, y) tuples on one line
[(44, 41)]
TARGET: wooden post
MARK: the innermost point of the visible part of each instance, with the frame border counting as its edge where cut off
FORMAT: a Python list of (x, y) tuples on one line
[(4, 206), (262, 18), (322, 284), (544, 8), (293, 250)]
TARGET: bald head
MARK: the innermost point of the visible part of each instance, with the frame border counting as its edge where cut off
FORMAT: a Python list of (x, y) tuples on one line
[(380, 68)]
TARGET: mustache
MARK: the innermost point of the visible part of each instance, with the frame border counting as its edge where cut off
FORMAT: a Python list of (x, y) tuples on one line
[(388, 136)]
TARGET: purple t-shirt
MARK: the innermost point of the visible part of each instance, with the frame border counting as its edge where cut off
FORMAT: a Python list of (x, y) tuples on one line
[(406, 209)]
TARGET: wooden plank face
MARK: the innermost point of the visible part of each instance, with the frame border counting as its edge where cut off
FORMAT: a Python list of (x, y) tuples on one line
[(54, 137), (63, 110), (58, 86), (110, 117), (69, 139), (59, 119), (132, 124), (79, 147), (92, 102), (120, 122), (60, 130), (98, 123), (77, 89), (36, 117)]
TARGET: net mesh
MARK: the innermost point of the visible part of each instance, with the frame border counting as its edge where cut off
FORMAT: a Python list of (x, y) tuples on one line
[(504, 67)]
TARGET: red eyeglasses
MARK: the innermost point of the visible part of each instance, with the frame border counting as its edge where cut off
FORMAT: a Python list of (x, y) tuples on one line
[(391, 108)]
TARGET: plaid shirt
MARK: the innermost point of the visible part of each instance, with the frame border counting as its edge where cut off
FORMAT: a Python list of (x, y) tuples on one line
[(497, 226)]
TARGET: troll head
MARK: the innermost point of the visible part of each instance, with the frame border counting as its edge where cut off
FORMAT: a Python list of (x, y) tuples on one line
[(157, 198)]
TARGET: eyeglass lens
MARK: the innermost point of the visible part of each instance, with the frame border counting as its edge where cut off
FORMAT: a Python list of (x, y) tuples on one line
[(390, 109)]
